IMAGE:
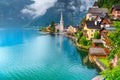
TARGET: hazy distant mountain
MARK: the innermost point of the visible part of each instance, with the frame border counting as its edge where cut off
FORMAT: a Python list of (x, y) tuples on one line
[(11, 12)]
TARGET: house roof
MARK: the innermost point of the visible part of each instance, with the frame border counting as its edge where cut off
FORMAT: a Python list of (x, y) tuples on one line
[(98, 10), (97, 51), (92, 24), (116, 7), (107, 19), (97, 41)]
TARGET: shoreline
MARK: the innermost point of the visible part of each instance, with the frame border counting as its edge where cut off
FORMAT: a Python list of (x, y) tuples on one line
[(79, 47)]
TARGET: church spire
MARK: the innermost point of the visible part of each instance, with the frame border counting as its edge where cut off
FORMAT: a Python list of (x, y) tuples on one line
[(61, 23), (61, 18)]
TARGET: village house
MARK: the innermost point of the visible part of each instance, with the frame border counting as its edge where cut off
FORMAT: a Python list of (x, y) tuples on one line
[(96, 53), (72, 29), (104, 33), (115, 12), (89, 29), (94, 12), (106, 22)]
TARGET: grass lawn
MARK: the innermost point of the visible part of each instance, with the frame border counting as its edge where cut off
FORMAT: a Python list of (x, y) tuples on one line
[(104, 61)]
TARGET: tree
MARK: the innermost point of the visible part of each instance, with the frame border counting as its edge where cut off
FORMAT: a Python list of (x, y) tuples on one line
[(97, 35), (83, 41), (108, 3), (116, 24), (112, 74), (52, 27)]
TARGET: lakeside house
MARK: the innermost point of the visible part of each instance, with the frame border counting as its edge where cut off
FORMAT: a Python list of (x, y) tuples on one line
[(104, 33), (96, 53), (94, 12), (72, 29), (89, 29), (106, 22), (115, 12)]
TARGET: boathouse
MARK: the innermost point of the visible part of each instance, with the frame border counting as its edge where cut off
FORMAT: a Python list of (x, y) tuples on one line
[(96, 53)]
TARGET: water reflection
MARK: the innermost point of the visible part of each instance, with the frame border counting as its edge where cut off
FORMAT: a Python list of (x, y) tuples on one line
[(85, 60), (44, 57), (61, 41)]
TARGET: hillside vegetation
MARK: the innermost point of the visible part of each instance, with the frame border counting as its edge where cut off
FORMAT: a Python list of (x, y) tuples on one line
[(108, 3)]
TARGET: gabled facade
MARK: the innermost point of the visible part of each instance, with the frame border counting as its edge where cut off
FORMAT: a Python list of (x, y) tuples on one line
[(72, 29), (115, 12), (106, 22), (89, 29)]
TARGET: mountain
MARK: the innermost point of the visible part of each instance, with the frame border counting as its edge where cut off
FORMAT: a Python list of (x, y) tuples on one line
[(11, 12)]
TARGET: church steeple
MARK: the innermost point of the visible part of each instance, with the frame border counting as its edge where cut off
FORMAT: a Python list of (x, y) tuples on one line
[(61, 18), (61, 23)]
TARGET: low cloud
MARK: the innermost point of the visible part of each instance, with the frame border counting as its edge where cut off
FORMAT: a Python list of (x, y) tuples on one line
[(85, 4), (38, 8)]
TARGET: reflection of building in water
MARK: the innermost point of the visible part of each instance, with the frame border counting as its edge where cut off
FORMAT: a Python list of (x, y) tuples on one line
[(61, 42)]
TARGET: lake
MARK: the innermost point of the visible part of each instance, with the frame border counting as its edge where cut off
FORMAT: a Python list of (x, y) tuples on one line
[(27, 54)]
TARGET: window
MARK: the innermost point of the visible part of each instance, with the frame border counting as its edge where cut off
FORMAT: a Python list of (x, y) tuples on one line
[(92, 35), (92, 30)]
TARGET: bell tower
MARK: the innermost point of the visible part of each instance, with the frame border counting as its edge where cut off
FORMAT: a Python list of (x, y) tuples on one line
[(61, 28)]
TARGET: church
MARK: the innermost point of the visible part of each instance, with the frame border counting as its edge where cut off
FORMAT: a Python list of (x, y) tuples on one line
[(60, 27)]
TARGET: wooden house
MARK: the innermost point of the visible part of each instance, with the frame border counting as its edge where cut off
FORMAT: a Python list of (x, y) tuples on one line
[(115, 12), (96, 53), (106, 22)]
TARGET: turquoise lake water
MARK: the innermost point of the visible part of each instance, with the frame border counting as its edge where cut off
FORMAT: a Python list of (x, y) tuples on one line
[(27, 54)]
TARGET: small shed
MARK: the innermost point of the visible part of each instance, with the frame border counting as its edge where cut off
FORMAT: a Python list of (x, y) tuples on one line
[(96, 53)]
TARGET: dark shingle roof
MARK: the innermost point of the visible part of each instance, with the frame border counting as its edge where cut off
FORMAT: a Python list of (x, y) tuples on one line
[(117, 7), (92, 25), (98, 10)]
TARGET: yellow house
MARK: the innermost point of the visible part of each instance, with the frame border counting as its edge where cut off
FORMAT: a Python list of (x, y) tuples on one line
[(72, 29), (89, 29)]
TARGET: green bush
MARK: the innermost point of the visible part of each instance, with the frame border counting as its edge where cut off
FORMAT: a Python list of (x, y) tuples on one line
[(108, 3), (83, 41), (52, 27), (97, 35), (116, 24)]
